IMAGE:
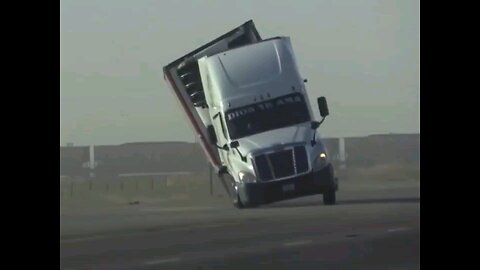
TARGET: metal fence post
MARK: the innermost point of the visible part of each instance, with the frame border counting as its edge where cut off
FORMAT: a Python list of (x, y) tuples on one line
[(210, 179)]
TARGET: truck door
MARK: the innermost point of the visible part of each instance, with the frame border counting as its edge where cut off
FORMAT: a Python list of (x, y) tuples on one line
[(221, 132)]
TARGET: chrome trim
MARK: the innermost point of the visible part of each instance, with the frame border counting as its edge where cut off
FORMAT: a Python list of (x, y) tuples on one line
[(270, 166), (275, 149), (295, 160)]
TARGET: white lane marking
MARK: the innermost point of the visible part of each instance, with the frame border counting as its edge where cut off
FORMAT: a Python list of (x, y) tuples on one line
[(168, 260), (83, 239), (201, 226), (398, 229), (217, 225), (92, 238), (298, 243), (175, 209)]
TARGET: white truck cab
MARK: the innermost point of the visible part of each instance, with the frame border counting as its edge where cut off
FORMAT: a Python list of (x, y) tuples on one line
[(249, 106)]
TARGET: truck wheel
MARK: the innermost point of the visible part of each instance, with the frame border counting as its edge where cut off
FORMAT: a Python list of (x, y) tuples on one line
[(242, 205), (237, 202), (329, 197)]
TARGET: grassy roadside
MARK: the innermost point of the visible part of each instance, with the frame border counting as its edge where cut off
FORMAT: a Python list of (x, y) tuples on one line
[(391, 172), (193, 191)]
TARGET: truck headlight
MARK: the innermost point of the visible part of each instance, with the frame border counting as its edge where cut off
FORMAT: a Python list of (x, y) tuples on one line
[(321, 160), (246, 177)]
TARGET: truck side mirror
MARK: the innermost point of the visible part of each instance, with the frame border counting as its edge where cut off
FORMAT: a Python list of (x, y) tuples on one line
[(322, 106), (314, 124), (211, 135), (234, 144)]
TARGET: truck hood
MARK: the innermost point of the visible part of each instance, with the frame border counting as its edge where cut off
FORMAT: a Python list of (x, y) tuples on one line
[(294, 134)]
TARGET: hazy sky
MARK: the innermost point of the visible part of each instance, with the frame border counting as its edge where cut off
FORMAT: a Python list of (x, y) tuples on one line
[(362, 55)]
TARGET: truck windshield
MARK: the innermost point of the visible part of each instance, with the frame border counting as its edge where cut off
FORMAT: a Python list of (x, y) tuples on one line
[(264, 116)]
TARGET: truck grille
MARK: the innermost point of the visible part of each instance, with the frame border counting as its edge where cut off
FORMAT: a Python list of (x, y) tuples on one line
[(281, 164)]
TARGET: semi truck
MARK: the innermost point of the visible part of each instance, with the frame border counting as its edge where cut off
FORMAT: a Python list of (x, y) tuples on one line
[(249, 106)]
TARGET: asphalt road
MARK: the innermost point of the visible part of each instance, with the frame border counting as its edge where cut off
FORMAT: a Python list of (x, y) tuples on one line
[(375, 225)]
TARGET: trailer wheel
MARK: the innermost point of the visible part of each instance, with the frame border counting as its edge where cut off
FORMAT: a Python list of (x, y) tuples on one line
[(329, 197)]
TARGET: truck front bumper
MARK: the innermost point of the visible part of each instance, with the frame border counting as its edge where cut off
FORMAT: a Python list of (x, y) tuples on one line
[(309, 184)]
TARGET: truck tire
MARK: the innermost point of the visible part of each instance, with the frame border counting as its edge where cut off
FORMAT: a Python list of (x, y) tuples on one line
[(236, 201), (329, 197), (242, 205)]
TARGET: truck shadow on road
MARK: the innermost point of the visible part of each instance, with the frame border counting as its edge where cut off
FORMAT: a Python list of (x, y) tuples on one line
[(313, 203)]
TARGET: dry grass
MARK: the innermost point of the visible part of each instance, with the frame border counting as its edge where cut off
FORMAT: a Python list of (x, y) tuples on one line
[(176, 190), (193, 190), (381, 172)]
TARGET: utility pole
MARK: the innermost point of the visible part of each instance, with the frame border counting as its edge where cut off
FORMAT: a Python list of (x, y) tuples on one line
[(342, 154), (92, 161)]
